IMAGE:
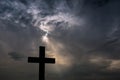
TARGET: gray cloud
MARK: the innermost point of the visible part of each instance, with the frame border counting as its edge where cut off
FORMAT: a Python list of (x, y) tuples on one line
[(16, 56)]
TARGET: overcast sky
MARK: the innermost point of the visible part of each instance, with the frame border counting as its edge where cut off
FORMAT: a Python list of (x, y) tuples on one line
[(83, 36)]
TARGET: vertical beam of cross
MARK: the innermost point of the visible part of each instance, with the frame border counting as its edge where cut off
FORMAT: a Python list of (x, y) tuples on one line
[(41, 60), (42, 63)]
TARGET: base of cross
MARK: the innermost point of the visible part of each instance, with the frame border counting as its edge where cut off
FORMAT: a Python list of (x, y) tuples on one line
[(41, 60)]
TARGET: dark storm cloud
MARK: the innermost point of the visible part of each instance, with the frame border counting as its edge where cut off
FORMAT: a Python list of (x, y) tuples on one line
[(100, 25), (105, 21), (100, 37), (96, 3), (16, 56)]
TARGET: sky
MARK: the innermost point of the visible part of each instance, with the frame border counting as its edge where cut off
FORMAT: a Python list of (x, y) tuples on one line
[(82, 35)]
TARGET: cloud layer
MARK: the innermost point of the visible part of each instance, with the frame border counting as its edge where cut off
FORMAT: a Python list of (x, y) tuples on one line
[(83, 36)]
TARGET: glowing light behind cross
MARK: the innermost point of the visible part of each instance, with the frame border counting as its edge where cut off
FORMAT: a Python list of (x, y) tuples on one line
[(48, 25), (62, 62), (54, 47)]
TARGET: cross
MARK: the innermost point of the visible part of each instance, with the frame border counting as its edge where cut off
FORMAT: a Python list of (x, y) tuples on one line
[(41, 60)]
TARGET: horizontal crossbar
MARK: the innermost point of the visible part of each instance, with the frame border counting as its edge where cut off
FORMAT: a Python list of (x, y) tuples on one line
[(39, 60)]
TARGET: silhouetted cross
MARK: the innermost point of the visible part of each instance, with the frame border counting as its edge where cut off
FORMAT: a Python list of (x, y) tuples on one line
[(41, 60)]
